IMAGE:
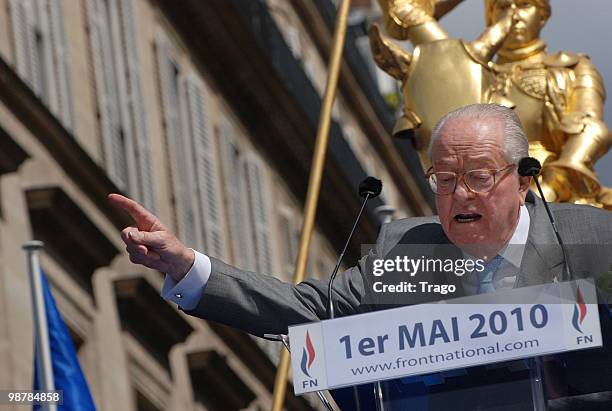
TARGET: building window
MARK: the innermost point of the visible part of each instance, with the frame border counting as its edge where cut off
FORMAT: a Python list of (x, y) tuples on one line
[(181, 165), (259, 207), (234, 182), (289, 236), (247, 199), (205, 154), (121, 109), (145, 187), (193, 168), (41, 54)]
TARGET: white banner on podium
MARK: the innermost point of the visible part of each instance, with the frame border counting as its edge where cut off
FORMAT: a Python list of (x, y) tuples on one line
[(427, 338)]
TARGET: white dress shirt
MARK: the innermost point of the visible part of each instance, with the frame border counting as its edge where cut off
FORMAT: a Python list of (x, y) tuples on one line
[(188, 292)]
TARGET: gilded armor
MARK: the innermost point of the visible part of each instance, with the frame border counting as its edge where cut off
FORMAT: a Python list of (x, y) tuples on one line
[(558, 97)]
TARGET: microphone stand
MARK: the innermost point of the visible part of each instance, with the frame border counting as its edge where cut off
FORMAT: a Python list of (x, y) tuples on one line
[(566, 267), (330, 304), (529, 166), (368, 188)]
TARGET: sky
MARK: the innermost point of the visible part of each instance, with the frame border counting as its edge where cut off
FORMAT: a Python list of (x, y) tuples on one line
[(581, 26)]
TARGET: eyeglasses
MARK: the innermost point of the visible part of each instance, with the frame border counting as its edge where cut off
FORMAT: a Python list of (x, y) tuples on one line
[(477, 181)]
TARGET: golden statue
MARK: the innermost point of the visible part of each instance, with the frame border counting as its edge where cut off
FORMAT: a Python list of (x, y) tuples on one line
[(558, 97)]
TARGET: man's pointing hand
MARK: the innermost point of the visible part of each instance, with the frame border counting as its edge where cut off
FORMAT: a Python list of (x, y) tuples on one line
[(150, 243)]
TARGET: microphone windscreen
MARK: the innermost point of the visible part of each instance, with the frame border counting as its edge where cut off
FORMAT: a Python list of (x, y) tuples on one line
[(529, 166), (371, 186)]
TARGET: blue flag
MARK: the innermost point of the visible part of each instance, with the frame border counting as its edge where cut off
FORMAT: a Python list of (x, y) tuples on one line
[(67, 373)]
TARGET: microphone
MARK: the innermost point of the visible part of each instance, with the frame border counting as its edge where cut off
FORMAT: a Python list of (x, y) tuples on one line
[(530, 167), (371, 186), (368, 188)]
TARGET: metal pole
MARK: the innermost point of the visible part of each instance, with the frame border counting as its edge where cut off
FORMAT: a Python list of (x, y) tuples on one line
[(378, 397), (537, 385), (314, 183), (44, 369)]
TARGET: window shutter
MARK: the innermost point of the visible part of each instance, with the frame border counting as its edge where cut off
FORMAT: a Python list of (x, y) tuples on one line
[(46, 86), (185, 186), (174, 105), (123, 163), (61, 63), (284, 225), (289, 237), (19, 18), (144, 171), (205, 157), (39, 50), (24, 27), (168, 81), (34, 50), (236, 195), (100, 69), (258, 201), (113, 133)]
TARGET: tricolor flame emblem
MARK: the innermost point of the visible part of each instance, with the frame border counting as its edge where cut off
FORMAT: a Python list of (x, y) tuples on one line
[(580, 311), (308, 355)]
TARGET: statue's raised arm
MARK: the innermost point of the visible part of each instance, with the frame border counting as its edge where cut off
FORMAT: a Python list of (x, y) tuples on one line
[(412, 20), (441, 74)]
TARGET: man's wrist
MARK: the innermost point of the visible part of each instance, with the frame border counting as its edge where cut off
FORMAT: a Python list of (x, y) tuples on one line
[(188, 261), (187, 292)]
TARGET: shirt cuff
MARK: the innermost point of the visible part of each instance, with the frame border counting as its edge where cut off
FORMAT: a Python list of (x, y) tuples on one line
[(188, 292)]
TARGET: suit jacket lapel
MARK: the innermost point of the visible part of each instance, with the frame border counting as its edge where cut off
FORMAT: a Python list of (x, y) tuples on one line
[(543, 258)]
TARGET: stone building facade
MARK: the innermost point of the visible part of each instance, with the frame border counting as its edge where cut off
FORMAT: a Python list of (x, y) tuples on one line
[(206, 112)]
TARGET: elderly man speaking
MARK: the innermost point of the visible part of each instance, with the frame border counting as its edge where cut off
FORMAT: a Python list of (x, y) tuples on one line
[(485, 208)]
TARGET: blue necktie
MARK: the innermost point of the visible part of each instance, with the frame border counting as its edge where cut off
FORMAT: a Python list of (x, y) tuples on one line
[(485, 277)]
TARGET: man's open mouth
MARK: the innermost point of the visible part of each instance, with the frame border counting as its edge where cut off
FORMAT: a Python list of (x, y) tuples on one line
[(467, 217)]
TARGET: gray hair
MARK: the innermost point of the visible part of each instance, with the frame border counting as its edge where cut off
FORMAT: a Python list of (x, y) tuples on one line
[(516, 145)]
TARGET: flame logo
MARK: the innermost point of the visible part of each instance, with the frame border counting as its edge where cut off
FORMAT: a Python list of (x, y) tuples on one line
[(308, 355), (580, 311)]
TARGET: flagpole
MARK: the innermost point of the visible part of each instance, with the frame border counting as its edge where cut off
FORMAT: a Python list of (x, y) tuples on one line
[(42, 351), (314, 183)]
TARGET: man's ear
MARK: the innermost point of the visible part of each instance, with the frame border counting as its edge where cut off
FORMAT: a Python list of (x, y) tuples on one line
[(524, 183)]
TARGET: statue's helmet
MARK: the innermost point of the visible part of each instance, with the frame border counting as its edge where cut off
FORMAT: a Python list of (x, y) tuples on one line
[(542, 5)]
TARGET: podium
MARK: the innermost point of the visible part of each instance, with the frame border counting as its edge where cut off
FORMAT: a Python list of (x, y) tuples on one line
[(515, 385), (486, 352)]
